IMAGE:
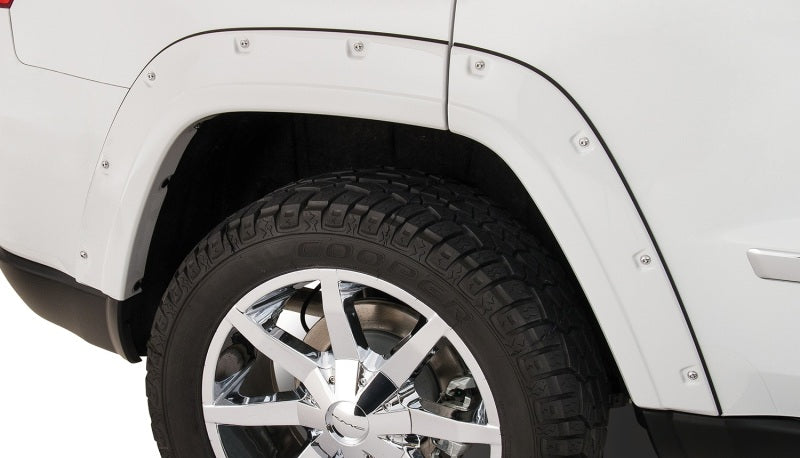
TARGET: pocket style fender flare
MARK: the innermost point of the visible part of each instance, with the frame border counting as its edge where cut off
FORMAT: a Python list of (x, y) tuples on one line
[(208, 74), (514, 111)]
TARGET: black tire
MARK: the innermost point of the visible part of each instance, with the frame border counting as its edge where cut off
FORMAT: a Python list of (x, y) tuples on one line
[(520, 314)]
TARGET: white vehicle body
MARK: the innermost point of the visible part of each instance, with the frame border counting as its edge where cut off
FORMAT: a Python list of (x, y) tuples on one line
[(650, 137)]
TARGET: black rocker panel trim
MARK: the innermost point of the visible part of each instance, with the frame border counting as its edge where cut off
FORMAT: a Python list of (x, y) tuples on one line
[(58, 298), (683, 435)]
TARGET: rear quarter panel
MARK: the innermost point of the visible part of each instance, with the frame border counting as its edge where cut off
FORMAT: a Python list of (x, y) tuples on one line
[(697, 102)]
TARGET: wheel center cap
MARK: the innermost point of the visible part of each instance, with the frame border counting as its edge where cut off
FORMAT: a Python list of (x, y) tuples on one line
[(347, 423)]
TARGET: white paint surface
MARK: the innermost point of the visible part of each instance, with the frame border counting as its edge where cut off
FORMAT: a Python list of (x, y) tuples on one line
[(111, 41)]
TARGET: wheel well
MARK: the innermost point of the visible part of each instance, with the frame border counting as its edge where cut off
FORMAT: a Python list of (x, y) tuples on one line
[(237, 158)]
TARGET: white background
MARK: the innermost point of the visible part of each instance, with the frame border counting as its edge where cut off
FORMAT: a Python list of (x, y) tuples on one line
[(64, 397)]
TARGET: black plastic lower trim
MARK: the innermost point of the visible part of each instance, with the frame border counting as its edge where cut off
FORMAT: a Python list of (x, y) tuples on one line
[(676, 434), (57, 297)]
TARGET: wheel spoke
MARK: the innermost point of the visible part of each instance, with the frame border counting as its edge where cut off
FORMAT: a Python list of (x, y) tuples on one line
[(265, 414), (312, 450), (346, 379), (432, 425), (232, 383), (383, 424), (351, 452), (402, 364), (344, 328), (377, 446), (377, 392), (283, 354), (324, 445), (282, 350)]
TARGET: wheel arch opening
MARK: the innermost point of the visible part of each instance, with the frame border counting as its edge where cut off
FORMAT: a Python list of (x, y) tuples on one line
[(237, 158)]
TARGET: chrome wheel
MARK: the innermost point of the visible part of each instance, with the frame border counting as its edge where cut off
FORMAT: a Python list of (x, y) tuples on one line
[(325, 362)]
